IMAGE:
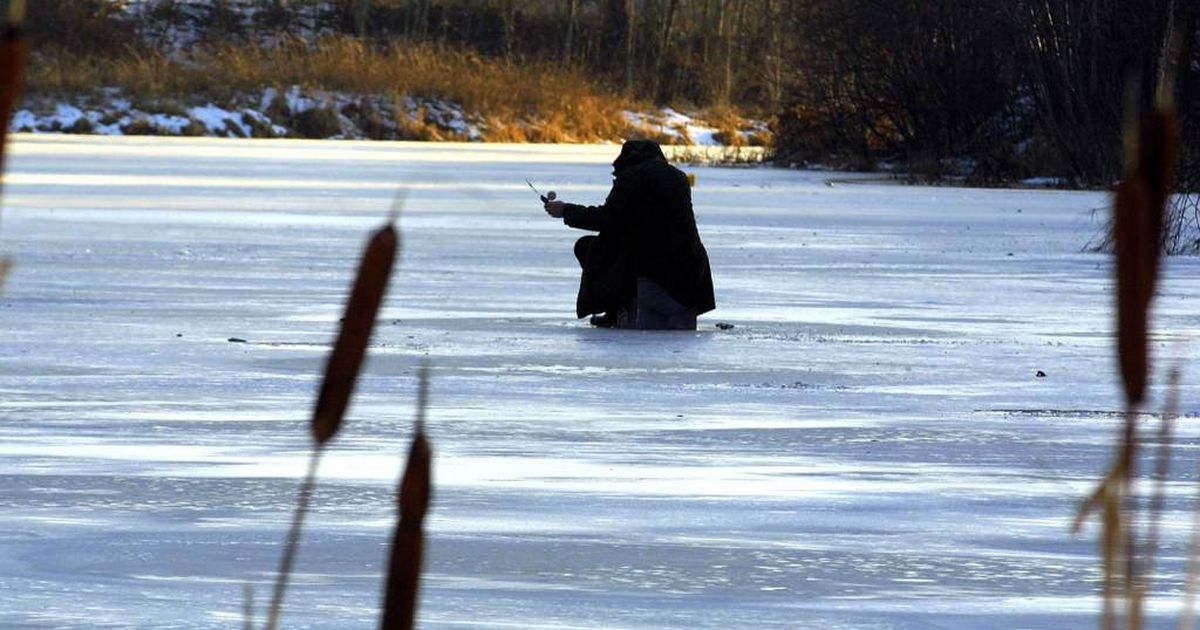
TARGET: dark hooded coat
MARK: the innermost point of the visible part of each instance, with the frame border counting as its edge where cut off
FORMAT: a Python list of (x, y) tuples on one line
[(646, 230)]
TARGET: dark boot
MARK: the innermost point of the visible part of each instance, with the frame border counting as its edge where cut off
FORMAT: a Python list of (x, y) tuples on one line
[(605, 320)]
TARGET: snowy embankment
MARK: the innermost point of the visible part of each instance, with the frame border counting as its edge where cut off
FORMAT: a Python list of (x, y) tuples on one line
[(869, 447), (295, 113), (269, 115)]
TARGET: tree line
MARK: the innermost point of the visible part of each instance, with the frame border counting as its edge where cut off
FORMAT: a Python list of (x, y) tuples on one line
[(997, 89), (1016, 87)]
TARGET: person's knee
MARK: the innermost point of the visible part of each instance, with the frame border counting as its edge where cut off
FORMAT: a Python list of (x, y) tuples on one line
[(582, 247)]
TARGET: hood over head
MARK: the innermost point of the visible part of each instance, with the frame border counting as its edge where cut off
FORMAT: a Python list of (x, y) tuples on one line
[(634, 152)]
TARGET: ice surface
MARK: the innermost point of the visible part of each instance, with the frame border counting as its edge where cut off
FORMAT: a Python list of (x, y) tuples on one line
[(868, 447)]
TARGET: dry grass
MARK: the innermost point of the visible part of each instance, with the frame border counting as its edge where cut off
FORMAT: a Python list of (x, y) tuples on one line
[(530, 101), (728, 124)]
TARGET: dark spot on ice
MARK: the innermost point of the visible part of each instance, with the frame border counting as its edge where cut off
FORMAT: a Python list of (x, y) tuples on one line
[(236, 340), (178, 334), (1040, 374), (1009, 254), (724, 326)]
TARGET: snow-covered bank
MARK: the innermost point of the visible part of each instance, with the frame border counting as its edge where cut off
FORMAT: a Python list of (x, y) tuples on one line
[(868, 447), (296, 113), (271, 114)]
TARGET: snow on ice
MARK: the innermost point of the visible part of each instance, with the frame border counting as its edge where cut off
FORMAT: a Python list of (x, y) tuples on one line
[(867, 447)]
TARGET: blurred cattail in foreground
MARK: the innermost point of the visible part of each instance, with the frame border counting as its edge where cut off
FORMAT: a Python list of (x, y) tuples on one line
[(1138, 206), (12, 63), (408, 543), (337, 387), (345, 362), (5, 265)]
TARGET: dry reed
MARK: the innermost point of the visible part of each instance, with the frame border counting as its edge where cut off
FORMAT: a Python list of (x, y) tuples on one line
[(548, 102), (1139, 205), (1162, 468), (292, 543), (408, 541), (13, 51), (1188, 616), (337, 387), (248, 607), (345, 362)]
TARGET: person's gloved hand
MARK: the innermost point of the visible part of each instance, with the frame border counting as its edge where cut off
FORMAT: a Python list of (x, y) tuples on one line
[(554, 208)]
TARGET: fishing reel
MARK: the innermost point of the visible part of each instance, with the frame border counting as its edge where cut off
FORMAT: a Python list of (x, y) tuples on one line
[(546, 198)]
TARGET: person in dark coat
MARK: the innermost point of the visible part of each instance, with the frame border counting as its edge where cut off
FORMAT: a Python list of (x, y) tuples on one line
[(646, 266)]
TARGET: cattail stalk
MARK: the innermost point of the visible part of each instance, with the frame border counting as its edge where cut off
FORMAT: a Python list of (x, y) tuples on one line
[(292, 542), (408, 542), (337, 387), (248, 607), (1158, 496), (1187, 619)]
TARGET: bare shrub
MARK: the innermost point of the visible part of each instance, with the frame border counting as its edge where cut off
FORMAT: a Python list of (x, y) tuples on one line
[(84, 26), (317, 123), (141, 127)]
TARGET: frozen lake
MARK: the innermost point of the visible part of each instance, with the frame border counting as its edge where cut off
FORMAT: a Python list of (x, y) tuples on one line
[(867, 448)]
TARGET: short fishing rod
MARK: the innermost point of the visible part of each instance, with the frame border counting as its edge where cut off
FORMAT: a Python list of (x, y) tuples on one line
[(546, 198)]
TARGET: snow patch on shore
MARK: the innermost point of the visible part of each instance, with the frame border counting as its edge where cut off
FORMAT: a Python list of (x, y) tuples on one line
[(675, 127)]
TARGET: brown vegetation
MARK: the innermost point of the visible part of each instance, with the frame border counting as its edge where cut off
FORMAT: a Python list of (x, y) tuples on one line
[(560, 104)]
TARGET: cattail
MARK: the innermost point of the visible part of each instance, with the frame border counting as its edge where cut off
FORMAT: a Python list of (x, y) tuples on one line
[(408, 542), (1151, 152), (12, 62), (341, 372), (1151, 149), (1136, 265), (1158, 156)]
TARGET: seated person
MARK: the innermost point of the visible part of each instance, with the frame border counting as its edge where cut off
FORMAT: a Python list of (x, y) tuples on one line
[(645, 267)]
